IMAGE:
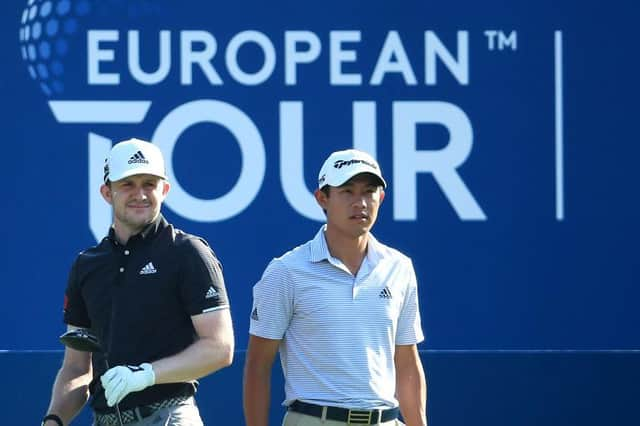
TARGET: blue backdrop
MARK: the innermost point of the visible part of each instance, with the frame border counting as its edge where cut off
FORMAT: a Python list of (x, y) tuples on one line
[(506, 132)]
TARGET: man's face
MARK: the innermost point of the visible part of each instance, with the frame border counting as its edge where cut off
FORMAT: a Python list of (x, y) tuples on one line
[(136, 200), (352, 208)]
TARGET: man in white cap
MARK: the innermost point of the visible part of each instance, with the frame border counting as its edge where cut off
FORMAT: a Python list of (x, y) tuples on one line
[(342, 310), (155, 299)]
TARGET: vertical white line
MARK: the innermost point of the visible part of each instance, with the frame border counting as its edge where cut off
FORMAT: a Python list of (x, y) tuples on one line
[(559, 128)]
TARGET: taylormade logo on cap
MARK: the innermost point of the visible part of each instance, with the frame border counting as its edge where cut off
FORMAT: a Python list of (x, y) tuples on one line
[(338, 164), (133, 157), (343, 165)]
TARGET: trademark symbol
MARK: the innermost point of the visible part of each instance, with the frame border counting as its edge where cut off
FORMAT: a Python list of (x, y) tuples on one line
[(500, 40)]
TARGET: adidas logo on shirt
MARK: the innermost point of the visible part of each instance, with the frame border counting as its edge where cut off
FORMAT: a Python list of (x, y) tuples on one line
[(138, 157), (211, 293), (254, 314), (386, 293), (148, 269)]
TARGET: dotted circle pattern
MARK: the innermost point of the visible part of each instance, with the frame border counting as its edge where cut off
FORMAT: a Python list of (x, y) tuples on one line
[(45, 29)]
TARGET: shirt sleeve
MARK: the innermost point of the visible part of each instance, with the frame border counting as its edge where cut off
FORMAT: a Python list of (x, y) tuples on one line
[(202, 286), (75, 309), (409, 324), (272, 302)]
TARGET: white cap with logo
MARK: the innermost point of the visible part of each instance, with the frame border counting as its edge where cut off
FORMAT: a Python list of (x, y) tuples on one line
[(133, 157), (343, 165)]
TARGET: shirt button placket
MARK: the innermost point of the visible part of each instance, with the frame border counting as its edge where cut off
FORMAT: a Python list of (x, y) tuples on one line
[(126, 253)]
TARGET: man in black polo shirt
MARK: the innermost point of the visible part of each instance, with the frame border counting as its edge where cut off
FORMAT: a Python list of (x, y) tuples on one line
[(154, 297)]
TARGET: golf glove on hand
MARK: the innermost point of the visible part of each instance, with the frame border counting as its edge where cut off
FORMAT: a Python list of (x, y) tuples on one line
[(120, 381)]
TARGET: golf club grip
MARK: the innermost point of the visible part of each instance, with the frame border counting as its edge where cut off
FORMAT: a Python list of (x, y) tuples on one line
[(106, 364)]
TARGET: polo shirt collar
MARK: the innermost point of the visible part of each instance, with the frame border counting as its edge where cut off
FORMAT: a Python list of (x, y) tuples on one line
[(320, 249), (147, 233)]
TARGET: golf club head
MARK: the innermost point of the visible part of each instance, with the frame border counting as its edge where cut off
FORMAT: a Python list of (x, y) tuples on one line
[(81, 340)]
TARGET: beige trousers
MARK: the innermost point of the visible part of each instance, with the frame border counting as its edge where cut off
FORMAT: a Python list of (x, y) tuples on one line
[(297, 419)]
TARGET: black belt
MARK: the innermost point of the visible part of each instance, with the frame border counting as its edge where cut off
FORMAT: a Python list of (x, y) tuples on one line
[(345, 415)]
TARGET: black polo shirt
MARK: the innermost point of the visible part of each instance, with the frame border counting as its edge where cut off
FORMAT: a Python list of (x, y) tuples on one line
[(138, 299)]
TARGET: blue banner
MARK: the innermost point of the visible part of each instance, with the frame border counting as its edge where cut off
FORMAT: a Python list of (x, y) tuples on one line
[(506, 133)]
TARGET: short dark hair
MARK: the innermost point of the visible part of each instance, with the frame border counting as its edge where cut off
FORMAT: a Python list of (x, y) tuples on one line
[(326, 190)]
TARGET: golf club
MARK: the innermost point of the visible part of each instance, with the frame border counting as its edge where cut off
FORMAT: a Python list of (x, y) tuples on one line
[(82, 340)]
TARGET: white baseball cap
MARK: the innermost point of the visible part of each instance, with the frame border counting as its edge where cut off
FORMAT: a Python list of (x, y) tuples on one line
[(133, 157), (343, 165)]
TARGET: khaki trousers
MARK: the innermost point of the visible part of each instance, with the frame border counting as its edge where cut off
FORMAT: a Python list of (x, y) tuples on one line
[(297, 419)]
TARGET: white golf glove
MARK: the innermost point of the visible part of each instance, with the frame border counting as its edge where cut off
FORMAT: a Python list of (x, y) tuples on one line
[(120, 381)]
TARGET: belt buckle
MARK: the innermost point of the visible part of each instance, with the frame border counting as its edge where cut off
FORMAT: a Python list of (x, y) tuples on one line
[(359, 417)]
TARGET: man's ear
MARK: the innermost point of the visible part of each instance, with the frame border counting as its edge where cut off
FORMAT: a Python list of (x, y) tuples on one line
[(381, 195), (166, 186), (321, 198), (105, 191)]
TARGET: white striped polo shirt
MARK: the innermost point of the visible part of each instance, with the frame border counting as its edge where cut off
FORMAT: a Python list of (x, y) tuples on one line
[(338, 331)]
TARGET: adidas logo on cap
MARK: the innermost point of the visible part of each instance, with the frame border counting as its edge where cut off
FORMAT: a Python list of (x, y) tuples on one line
[(138, 157)]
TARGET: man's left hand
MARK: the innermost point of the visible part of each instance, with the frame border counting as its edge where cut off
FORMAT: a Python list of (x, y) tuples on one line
[(120, 381)]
